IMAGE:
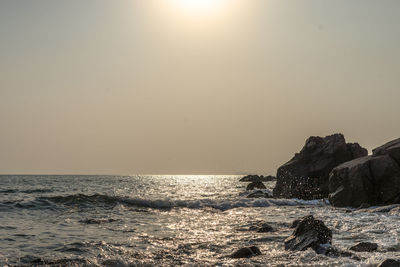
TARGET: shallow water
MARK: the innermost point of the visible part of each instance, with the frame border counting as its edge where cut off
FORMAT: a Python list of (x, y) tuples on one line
[(169, 220)]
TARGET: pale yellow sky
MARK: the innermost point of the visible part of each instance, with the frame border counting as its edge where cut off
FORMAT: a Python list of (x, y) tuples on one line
[(157, 86)]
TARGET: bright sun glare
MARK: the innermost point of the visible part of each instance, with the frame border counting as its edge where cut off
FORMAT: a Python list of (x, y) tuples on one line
[(199, 7)]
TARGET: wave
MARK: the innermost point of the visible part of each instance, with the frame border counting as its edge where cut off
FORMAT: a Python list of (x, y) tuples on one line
[(107, 201)]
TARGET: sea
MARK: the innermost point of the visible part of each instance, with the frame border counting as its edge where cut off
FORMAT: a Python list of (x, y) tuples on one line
[(171, 220)]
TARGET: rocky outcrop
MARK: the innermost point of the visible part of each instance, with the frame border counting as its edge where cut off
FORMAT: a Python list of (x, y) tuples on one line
[(255, 185), (306, 175), (373, 180), (309, 233), (246, 252), (364, 247)]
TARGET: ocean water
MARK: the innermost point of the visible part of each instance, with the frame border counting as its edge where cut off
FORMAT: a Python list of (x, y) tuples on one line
[(169, 221)]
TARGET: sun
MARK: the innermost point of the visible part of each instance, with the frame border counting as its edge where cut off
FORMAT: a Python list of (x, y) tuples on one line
[(198, 7)]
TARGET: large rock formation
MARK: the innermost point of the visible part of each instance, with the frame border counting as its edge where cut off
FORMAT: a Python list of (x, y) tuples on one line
[(306, 175), (374, 180)]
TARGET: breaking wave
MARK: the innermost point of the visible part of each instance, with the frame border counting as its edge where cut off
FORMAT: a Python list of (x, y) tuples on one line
[(107, 201)]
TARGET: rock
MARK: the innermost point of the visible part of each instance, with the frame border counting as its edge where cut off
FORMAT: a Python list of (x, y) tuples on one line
[(262, 228), (295, 223), (310, 233), (364, 206), (351, 184), (246, 252), (259, 194), (370, 180), (364, 247), (306, 175), (268, 178), (251, 178), (265, 228), (390, 263), (255, 185), (391, 149), (255, 178)]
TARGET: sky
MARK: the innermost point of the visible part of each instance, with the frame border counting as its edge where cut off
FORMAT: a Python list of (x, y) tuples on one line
[(184, 87)]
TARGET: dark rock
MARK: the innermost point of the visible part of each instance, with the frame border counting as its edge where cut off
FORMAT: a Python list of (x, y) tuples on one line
[(262, 228), (364, 247), (251, 178), (390, 263), (259, 194), (364, 206), (306, 175), (268, 178), (246, 252), (256, 178), (351, 184), (255, 185), (265, 228), (373, 180), (310, 233), (391, 149), (295, 223)]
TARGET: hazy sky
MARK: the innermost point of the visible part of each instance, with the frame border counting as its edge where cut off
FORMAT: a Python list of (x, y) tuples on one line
[(171, 86)]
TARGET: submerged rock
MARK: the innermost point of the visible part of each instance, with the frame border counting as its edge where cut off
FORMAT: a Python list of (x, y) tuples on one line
[(310, 233), (306, 175), (374, 180), (255, 185), (364, 247), (390, 263), (262, 228), (246, 252)]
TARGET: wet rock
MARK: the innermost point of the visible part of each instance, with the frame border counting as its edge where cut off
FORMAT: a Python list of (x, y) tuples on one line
[(261, 228), (255, 185), (391, 149), (255, 178), (251, 178), (246, 252), (306, 175), (373, 180), (259, 194), (295, 223), (364, 247), (364, 206), (390, 263), (268, 178), (310, 233)]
